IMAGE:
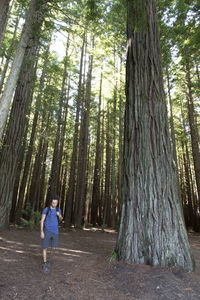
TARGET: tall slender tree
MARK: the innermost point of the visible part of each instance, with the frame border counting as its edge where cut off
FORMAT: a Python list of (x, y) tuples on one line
[(32, 139), (113, 168), (9, 54), (32, 18), (71, 185), (97, 168), (192, 122), (15, 130), (55, 167), (83, 150), (107, 196)]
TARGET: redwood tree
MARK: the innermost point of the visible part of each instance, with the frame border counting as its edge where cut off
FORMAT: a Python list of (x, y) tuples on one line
[(15, 130), (71, 185), (83, 151), (32, 18), (152, 230), (96, 184)]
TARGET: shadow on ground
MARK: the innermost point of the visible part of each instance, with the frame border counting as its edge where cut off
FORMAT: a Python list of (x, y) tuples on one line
[(81, 270)]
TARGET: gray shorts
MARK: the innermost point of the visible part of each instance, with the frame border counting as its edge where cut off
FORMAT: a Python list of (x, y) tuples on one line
[(49, 237)]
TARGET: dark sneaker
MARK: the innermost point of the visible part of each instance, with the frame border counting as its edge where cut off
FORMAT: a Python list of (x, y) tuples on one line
[(45, 268)]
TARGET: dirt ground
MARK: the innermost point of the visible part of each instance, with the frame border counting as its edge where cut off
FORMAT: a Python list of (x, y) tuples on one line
[(81, 270)]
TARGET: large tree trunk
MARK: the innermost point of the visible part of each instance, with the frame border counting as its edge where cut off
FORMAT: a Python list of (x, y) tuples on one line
[(152, 229), (34, 13), (15, 131)]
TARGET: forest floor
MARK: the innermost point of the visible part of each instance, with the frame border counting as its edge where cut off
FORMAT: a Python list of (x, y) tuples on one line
[(81, 270)]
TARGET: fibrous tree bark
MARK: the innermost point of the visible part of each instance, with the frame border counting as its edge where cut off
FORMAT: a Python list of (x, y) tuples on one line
[(33, 16), (152, 229)]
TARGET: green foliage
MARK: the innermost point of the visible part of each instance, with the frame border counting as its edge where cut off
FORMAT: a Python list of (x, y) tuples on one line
[(113, 256), (92, 10), (32, 218)]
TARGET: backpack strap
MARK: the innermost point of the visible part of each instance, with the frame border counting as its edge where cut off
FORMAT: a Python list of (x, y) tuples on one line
[(57, 210), (48, 209)]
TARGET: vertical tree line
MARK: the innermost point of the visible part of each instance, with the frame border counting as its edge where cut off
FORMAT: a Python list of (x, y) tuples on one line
[(53, 142), (62, 125)]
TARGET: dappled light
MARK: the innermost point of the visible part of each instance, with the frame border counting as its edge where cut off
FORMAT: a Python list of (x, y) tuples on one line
[(11, 242), (82, 267), (75, 251), (69, 254), (8, 260)]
